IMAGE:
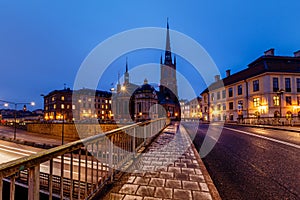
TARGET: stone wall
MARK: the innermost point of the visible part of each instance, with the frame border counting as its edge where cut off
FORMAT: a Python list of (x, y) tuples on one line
[(70, 130)]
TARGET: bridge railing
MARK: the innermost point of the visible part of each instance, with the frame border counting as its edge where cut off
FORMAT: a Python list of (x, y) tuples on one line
[(79, 169)]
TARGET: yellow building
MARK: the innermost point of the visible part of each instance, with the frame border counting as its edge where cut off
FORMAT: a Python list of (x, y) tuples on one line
[(269, 87)]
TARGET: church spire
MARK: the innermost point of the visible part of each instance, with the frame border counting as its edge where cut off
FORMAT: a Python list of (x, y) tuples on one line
[(168, 44), (126, 65), (168, 56), (126, 75)]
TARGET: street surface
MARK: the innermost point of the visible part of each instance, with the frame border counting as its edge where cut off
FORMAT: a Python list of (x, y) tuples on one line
[(252, 163)]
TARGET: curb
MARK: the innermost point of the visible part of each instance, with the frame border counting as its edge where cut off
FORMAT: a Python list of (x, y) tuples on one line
[(211, 186), (265, 127)]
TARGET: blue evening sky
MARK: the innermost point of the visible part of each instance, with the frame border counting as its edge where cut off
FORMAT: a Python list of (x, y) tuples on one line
[(43, 43)]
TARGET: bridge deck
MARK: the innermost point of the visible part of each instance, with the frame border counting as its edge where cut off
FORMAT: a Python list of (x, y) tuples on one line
[(170, 169)]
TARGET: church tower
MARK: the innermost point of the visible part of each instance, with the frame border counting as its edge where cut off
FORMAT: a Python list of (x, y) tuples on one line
[(168, 81)]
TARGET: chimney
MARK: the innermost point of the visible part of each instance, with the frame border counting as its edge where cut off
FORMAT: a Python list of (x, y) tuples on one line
[(297, 54), (269, 52), (228, 73), (217, 78)]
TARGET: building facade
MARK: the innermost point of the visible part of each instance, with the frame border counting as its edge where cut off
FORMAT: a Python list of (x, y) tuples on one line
[(269, 87), (58, 105)]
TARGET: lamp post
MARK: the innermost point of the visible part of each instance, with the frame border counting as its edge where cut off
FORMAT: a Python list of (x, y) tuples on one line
[(15, 113), (280, 93)]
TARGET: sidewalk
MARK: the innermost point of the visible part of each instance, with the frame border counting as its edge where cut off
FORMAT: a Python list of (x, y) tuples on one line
[(170, 169), (31, 139)]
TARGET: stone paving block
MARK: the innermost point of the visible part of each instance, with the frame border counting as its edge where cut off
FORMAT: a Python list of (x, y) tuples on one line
[(141, 181), (198, 171), (152, 174), (190, 185), (187, 171), (174, 169), (186, 161), (128, 189), (165, 193), (173, 183), (166, 175), (182, 194), (114, 196), (180, 176), (204, 187), (192, 165), (145, 191), (157, 163), (161, 168), (201, 195), (151, 198), (148, 168), (157, 182), (131, 179), (197, 177), (178, 164), (132, 197)]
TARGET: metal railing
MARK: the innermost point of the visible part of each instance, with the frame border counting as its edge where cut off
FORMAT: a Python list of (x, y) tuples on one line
[(78, 170)]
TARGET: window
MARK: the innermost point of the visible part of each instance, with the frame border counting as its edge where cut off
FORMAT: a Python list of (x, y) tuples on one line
[(255, 85), (219, 107), (240, 89), (240, 105), (62, 98), (54, 106), (276, 100), (73, 107), (275, 84), (218, 95), (205, 99), (256, 102), (223, 94), (62, 106), (287, 84), (53, 99), (224, 106), (205, 109), (298, 84), (230, 105), (298, 100), (288, 100), (212, 96), (230, 92)]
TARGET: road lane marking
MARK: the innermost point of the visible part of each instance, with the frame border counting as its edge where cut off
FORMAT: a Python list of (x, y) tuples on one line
[(18, 149), (266, 138)]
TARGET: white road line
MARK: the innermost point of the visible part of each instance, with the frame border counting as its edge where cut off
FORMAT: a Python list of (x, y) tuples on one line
[(266, 138), (18, 149)]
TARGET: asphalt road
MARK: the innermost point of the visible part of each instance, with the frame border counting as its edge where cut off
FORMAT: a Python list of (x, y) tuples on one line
[(252, 163)]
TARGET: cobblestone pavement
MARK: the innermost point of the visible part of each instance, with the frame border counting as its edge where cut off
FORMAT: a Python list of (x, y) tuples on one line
[(170, 169)]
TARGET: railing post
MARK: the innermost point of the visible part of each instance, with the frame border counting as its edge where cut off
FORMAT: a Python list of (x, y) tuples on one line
[(1, 187), (133, 141), (111, 152), (34, 183), (145, 134)]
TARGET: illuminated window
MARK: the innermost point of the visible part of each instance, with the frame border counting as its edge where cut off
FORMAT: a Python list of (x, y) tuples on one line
[(62, 106), (106, 107), (106, 101), (102, 106), (62, 98), (256, 102), (79, 100), (68, 106), (276, 100), (54, 106), (102, 112), (73, 107), (46, 108), (110, 101), (53, 98), (89, 99)]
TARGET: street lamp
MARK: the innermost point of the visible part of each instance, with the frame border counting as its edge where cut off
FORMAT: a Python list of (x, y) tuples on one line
[(280, 93), (6, 103)]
